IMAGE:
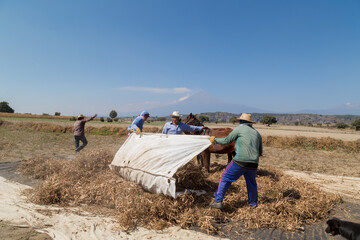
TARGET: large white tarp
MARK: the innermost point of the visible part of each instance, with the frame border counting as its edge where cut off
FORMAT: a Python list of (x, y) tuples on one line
[(151, 160)]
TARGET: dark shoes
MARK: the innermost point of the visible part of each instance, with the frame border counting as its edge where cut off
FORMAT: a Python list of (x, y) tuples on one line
[(217, 205)]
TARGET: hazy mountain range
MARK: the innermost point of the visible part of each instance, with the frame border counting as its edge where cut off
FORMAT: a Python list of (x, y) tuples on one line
[(201, 102)]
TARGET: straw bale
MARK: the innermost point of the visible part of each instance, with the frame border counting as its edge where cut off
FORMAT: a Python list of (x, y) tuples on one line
[(284, 202)]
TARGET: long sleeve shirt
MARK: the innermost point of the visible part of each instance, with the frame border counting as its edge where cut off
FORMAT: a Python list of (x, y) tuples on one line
[(170, 128), (137, 123), (248, 143), (79, 126)]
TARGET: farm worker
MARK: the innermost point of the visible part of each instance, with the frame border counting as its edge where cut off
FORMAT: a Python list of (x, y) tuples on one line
[(177, 127), (245, 162), (79, 132), (137, 124)]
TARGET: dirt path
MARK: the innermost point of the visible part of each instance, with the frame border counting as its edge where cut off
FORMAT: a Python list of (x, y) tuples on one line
[(347, 187)]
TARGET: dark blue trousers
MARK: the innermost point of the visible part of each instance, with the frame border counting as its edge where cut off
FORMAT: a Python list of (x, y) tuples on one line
[(77, 141), (232, 173)]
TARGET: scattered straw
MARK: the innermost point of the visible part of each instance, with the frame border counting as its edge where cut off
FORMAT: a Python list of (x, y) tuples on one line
[(284, 202)]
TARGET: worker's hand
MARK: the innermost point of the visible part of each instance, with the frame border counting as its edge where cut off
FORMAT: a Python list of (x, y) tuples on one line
[(205, 128), (212, 139), (138, 131)]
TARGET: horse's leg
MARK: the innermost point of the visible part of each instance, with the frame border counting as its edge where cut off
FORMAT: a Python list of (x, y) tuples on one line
[(200, 160), (206, 159)]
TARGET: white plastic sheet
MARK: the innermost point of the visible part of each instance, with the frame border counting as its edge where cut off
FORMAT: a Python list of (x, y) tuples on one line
[(151, 160)]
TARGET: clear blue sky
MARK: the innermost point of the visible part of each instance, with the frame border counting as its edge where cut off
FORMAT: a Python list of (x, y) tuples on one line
[(93, 56)]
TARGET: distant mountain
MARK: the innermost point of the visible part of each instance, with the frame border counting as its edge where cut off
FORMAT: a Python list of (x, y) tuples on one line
[(344, 109), (202, 102)]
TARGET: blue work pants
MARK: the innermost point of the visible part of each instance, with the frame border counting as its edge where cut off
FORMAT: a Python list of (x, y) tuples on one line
[(232, 173)]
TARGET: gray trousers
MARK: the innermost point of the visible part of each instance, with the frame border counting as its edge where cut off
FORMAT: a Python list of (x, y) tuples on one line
[(77, 141)]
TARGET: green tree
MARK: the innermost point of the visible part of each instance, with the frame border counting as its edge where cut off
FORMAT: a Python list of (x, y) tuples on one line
[(4, 107), (203, 118), (341, 125), (57, 113), (113, 114), (101, 119), (161, 119), (356, 124), (233, 120), (268, 120)]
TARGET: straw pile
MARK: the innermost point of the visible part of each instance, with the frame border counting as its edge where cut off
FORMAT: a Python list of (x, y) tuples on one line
[(284, 202)]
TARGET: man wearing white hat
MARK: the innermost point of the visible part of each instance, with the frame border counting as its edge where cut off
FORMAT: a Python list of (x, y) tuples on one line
[(177, 127), (245, 162), (79, 131)]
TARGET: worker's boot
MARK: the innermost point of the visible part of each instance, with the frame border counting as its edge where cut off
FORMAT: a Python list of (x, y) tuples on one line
[(215, 204)]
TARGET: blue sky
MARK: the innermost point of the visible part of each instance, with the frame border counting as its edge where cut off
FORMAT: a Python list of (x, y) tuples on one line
[(94, 56)]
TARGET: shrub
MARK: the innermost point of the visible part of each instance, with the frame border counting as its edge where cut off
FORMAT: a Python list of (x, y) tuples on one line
[(116, 119), (72, 119), (57, 113), (46, 114), (101, 119), (109, 120)]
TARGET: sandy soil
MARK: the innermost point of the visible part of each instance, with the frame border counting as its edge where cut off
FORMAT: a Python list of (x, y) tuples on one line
[(346, 187), (70, 223)]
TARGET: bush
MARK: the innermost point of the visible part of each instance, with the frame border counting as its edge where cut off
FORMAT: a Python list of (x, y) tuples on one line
[(72, 119), (101, 119), (116, 119), (109, 120), (57, 113), (46, 114)]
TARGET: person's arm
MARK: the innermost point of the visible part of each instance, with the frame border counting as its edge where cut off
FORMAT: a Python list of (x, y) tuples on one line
[(190, 128), (165, 129), (229, 139), (261, 147), (91, 118)]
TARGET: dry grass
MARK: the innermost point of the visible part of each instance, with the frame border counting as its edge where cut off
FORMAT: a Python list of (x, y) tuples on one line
[(327, 144), (284, 202), (57, 128), (34, 116), (337, 163)]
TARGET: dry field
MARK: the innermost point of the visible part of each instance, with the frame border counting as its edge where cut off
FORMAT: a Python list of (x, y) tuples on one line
[(39, 141)]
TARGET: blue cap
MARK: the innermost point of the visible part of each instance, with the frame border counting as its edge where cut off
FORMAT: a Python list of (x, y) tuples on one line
[(143, 113)]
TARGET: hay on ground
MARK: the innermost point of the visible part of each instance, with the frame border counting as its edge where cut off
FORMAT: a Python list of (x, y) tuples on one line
[(284, 202)]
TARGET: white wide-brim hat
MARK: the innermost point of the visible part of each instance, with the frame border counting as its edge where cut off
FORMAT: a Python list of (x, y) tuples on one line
[(175, 114), (245, 117)]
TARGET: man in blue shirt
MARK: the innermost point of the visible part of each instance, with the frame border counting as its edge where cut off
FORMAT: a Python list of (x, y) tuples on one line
[(177, 127), (137, 124)]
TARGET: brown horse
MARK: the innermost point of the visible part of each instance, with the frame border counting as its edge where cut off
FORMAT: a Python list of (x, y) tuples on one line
[(204, 157)]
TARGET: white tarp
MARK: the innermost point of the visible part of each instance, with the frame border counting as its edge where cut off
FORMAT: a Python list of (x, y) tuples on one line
[(151, 160)]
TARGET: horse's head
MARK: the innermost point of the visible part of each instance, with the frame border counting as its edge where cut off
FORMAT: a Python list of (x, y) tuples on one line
[(192, 120)]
